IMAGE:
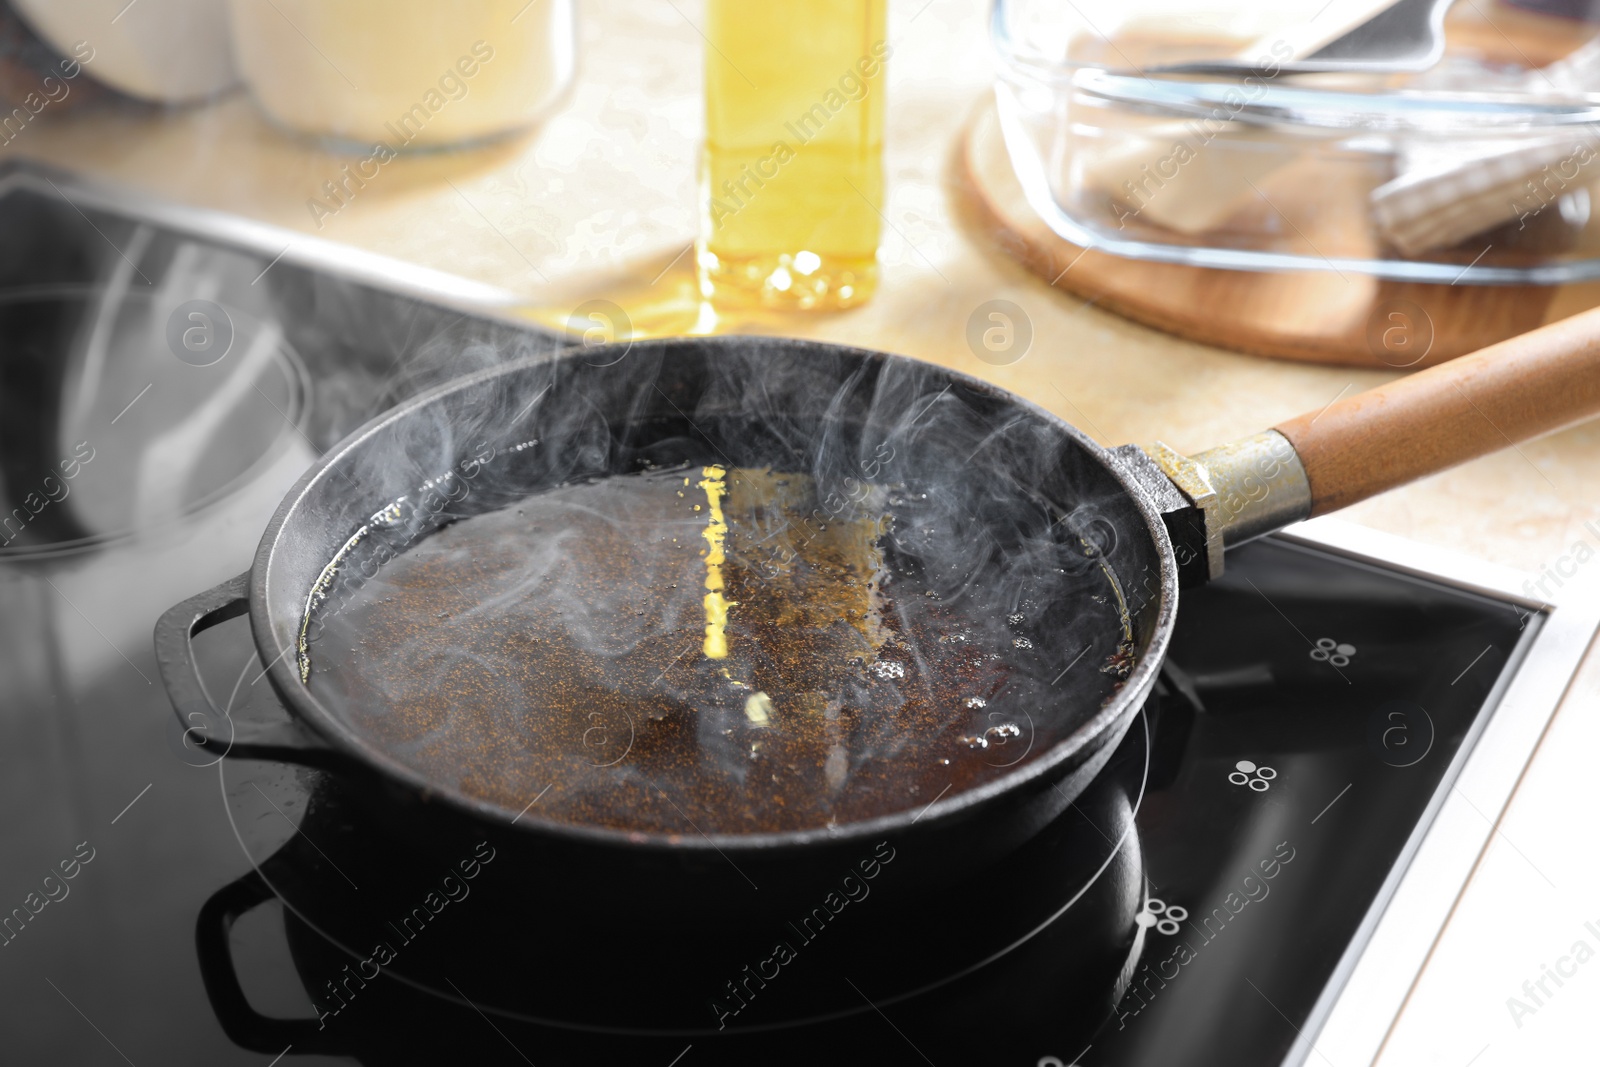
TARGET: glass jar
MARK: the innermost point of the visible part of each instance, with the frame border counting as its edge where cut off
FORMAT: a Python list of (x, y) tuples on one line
[(404, 73)]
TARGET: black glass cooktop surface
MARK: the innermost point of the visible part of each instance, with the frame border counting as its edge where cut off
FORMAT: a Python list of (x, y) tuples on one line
[(158, 907)]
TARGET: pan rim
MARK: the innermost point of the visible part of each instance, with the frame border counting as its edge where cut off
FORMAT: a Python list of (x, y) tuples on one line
[(1076, 748)]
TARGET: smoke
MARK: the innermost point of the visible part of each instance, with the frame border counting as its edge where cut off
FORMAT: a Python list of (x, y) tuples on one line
[(924, 577)]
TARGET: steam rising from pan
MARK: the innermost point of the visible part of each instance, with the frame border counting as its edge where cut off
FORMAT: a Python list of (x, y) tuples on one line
[(925, 581)]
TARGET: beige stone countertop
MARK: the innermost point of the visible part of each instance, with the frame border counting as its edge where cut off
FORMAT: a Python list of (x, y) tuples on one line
[(599, 201)]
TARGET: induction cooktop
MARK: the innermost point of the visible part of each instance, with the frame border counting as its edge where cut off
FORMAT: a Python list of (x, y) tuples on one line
[(1256, 878)]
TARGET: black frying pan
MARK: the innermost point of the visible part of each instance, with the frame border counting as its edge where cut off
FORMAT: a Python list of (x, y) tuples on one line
[(1007, 477)]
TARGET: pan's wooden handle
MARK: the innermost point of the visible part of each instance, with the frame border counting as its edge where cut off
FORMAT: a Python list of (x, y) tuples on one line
[(1520, 388)]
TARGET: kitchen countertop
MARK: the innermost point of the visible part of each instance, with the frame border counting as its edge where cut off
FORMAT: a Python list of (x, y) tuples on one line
[(599, 202)]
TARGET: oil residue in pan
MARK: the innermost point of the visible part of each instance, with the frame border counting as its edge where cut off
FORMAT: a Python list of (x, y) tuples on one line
[(706, 649)]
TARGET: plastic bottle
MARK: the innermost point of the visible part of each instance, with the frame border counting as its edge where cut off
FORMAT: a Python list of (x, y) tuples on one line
[(792, 176)]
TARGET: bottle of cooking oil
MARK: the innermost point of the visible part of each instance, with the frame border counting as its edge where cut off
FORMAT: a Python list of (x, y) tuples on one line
[(792, 177)]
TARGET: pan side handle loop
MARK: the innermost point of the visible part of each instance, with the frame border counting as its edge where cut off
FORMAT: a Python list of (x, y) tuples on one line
[(207, 733), (245, 1026)]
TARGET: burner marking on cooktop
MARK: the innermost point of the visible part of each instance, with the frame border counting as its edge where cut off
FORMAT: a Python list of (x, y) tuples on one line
[(1315, 645), (1163, 916), (1253, 888), (1257, 778), (1340, 654)]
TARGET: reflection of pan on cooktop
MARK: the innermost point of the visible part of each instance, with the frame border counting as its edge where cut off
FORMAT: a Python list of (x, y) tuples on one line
[(105, 432), (569, 981), (988, 504)]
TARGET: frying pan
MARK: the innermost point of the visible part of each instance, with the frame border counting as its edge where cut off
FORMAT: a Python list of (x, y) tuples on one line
[(1081, 950), (1151, 519)]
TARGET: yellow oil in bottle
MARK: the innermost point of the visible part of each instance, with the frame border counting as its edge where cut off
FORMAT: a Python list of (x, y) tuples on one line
[(792, 179)]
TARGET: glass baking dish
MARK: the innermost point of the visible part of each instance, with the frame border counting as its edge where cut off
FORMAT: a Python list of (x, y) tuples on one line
[(1476, 171)]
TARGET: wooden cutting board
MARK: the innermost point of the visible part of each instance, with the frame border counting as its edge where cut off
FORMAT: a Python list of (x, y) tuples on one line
[(1319, 316)]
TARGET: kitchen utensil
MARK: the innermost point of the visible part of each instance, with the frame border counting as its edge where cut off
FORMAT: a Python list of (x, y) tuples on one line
[(1445, 193), (1205, 189), (1215, 172), (1145, 520), (1406, 36), (1317, 317), (677, 970)]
